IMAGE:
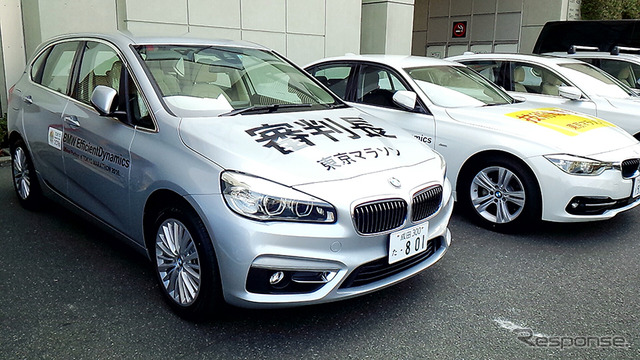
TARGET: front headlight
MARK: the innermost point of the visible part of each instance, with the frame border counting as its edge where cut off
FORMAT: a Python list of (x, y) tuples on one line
[(576, 165), (265, 200)]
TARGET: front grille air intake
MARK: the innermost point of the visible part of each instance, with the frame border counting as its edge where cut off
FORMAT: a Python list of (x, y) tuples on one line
[(379, 216), (426, 202), (630, 167)]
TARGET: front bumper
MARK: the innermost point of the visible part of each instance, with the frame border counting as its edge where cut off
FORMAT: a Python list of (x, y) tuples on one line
[(316, 263), (574, 198)]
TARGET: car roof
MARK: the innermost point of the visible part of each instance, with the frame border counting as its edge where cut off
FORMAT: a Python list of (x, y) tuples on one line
[(397, 61), (598, 54), (540, 59), (124, 39)]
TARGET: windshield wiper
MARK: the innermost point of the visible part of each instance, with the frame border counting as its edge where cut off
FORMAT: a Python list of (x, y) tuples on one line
[(266, 108)]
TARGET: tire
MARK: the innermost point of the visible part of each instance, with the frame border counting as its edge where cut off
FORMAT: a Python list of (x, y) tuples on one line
[(185, 264), (501, 194), (25, 179)]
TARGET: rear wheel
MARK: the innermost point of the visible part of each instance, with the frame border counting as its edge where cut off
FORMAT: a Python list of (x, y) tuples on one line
[(185, 264), (25, 180), (501, 194)]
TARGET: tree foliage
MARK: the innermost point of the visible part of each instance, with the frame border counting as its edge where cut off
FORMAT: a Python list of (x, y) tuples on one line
[(610, 9)]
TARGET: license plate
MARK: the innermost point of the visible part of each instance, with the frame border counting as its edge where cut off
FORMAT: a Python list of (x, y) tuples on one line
[(636, 188), (408, 242)]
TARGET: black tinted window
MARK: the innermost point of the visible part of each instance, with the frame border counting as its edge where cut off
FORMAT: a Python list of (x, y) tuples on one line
[(376, 86), (335, 77)]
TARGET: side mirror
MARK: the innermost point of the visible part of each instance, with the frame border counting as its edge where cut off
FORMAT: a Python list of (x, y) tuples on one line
[(104, 99), (405, 99), (570, 92)]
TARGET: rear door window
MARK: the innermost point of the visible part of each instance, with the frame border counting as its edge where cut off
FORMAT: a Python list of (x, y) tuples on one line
[(56, 73)]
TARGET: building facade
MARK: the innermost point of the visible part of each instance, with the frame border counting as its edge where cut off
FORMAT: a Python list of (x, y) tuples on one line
[(302, 30)]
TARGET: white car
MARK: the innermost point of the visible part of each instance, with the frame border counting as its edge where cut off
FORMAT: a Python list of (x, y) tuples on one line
[(622, 63), (561, 82), (510, 164)]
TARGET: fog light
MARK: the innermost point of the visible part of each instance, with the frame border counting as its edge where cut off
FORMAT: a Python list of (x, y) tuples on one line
[(574, 205), (276, 277)]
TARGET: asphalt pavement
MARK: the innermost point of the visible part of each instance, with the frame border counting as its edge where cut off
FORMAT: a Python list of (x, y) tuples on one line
[(70, 291)]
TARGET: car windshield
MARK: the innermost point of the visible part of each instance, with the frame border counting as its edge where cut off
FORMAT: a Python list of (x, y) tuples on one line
[(595, 81), (457, 86), (219, 80)]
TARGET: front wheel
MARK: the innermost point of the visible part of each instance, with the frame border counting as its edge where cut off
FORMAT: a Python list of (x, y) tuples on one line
[(185, 264), (501, 194), (25, 180)]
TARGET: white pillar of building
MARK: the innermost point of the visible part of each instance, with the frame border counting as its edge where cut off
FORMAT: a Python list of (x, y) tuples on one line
[(387, 27), (12, 54)]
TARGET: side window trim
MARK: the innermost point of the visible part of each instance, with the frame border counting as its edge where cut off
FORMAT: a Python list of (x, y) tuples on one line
[(75, 72), (44, 55)]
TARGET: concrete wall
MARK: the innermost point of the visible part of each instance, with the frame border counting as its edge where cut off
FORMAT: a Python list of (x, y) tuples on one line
[(44, 19), (491, 25), (302, 30)]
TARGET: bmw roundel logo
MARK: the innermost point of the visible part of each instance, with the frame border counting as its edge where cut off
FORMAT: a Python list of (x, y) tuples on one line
[(395, 182)]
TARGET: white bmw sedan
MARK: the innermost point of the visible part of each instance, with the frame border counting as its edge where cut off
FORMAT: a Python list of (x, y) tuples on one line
[(561, 82), (510, 163), (234, 171)]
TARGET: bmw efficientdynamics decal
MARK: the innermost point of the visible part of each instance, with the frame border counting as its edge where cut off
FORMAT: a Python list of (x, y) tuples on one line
[(94, 154)]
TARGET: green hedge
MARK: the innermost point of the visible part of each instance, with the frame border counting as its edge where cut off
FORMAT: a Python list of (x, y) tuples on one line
[(610, 9), (3, 131)]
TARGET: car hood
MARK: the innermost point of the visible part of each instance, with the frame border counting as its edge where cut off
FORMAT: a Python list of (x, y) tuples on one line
[(555, 129), (296, 148), (630, 104)]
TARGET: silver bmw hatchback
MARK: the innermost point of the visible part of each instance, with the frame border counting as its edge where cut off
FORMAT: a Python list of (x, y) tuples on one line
[(241, 177)]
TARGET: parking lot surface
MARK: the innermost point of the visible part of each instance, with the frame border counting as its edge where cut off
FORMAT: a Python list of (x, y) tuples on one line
[(70, 290)]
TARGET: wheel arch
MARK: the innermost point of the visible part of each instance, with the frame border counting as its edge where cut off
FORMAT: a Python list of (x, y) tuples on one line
[(14, 137), (467, 166), (157, 200)]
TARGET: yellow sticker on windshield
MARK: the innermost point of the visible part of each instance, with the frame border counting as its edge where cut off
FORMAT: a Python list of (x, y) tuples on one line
[(564, 121)]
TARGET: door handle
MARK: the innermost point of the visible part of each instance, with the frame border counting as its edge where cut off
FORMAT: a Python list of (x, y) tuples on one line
[(28, 99), (72, 121)]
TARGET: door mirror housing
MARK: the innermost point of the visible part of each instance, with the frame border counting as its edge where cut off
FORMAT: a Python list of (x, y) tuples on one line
[(405, 99), (570, 92), (104, 99)]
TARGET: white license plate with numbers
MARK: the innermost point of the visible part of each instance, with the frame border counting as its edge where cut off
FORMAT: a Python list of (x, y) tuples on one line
[(636, 188), (408, 242)]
